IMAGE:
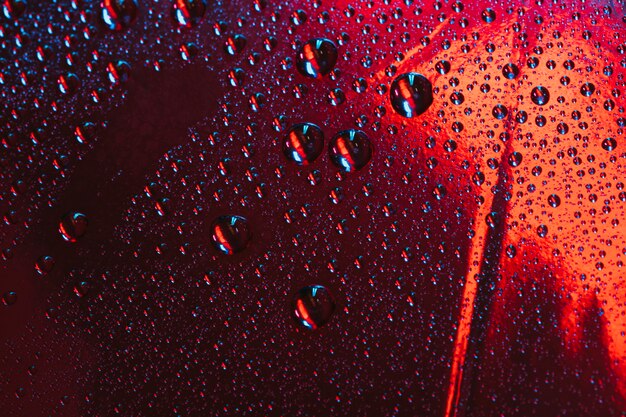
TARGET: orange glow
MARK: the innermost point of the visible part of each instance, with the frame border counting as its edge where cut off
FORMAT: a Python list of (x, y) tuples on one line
[(584, 239)]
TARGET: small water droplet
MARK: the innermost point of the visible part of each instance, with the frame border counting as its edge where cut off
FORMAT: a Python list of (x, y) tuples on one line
[(542, 230), (515, 159), (235, 44), (119, 14), (81, 289), (442, 67), (68, 83), (118, 72), (188, 13)]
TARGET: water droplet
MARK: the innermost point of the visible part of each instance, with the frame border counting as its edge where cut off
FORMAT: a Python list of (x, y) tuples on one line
[(68, 83), (540, 120), (442, 67), (609, 144), (188, 13), (488, 15), (350, 150), (44, 265), (85, 133), (491, 219), (81, 289), (72, 226), (13, 9), (515, 159), (118, 72), (542, 230), (313, 306), (230, 234), (587, 89), (298, 17), (511, 251), (336, 97), (510, 71), (554, 200), (316, 58), (235, 44), (540, 95), (119, 14), (303, 143), (500, 112), (9, 298), (411, 94)]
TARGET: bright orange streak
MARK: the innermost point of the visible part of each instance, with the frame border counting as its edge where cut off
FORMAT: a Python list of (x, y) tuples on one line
[(477, 250)]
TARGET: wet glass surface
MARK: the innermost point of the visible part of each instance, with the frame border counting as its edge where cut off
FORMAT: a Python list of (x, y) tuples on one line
[(312, 208)]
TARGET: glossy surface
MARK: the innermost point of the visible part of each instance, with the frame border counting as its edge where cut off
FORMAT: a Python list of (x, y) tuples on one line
[(475, 257)]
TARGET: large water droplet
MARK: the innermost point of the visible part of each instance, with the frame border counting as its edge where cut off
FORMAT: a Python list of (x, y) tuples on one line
[(72, 226), (540, 95), (488, 15), (411, 94), (609, 144), (499, 111), (304, 143), (510, 71), (316, 58), (119, 14), (350, 150), (230, 234), (587, 89), (313, 306)]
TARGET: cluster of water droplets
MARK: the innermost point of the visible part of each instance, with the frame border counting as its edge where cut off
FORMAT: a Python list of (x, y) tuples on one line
[(405, 129)]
